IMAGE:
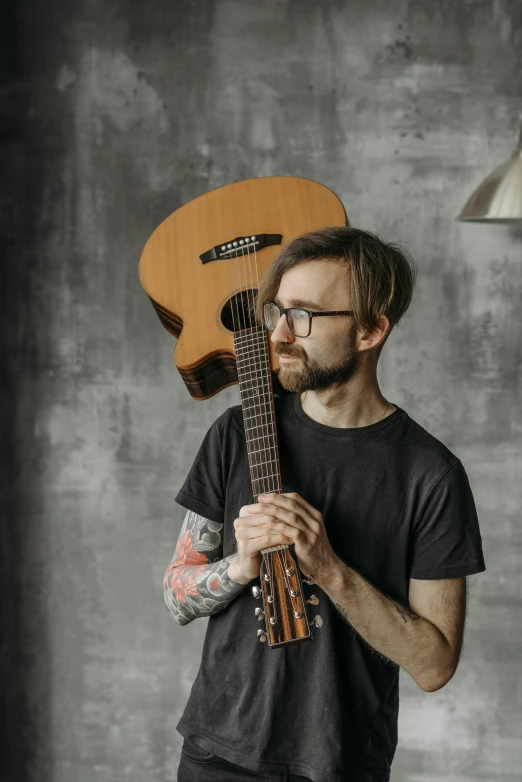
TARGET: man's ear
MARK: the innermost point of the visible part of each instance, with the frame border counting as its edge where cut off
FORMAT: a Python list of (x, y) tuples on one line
[(368, 340)]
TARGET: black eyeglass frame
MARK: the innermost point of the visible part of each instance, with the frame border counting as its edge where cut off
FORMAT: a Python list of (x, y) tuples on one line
[(311, 314)]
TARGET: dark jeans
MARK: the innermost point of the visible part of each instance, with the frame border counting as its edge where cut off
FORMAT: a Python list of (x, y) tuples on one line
[(197, 765)]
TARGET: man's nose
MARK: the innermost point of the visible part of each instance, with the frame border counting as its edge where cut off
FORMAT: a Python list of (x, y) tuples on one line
[(282, 333)]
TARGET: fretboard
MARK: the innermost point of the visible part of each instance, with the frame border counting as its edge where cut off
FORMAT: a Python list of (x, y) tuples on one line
[(257, 400)]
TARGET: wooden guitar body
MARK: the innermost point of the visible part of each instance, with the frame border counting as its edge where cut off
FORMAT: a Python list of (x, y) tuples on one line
[(189, 296)]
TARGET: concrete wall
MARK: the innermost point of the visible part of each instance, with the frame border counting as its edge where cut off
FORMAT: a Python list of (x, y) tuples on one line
[(117, 113)]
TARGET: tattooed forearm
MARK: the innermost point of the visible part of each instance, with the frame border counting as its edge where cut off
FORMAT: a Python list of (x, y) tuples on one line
[(196, 582)]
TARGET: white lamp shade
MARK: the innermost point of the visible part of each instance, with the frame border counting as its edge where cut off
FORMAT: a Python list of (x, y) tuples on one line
[(499, 197)]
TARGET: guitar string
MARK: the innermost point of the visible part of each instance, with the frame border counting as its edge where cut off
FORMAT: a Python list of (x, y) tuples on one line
[(259, 351), (236, 290), (271, 554), (253, 342), (241, 285), (265, 349), (263, 352), (259, 396), (236, 327), (251, 357)]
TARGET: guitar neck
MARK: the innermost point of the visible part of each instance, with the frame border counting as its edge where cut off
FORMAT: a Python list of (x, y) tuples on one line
[(257, 400)]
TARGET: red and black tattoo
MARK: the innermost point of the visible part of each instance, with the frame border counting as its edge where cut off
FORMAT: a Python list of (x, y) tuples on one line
[(196, 582)]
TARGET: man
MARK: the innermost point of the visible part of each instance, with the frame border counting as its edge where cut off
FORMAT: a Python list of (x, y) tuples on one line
[(379, 512)]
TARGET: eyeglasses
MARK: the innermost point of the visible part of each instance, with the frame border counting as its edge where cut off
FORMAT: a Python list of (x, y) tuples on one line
[(299, 320)]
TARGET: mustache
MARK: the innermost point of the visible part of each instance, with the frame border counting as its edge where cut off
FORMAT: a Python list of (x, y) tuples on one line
[(285, 352)]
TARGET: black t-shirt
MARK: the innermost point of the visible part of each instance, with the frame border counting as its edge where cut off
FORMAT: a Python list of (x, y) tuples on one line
[(396, 504)]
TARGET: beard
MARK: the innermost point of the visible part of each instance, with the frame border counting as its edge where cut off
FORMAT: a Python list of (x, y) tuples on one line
[(312, 375)]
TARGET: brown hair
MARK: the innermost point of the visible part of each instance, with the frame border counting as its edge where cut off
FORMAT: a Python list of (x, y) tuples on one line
[(381, 277)]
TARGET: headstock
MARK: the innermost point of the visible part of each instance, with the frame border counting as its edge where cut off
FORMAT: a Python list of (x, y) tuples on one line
[(284, 604)]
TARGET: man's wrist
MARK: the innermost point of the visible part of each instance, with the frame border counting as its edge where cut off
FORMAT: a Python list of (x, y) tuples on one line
[(335, 577), (234, 573)]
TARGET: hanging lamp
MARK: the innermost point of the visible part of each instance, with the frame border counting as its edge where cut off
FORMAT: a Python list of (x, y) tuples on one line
[(498, 198)]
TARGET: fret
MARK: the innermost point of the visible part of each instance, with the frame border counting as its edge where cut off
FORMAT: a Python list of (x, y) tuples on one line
[(258, 437), (260, 390), (262, 410), (249, 417), (250, 383), (261, 461), (252, 403), (257, 343), (261, 374), (262, 450), (255, 392), (258, 339), (256, 404), (265, 477), (260, 336), (271, 464), (267, 425), (259, 354), (249, 332), (256, 382), (256, 440), (263, 415), (253, 362), (253, 366), (247, 344), (251, 347)]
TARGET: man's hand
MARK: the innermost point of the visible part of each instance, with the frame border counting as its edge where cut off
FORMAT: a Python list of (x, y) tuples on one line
[(285, 518), (294, 517), (253, 534)]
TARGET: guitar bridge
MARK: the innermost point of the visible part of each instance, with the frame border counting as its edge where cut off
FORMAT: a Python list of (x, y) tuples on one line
[(241, 245)]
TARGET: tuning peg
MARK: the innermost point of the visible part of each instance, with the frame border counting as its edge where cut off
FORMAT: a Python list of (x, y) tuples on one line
[(261, 635), (256, 592), (313, 600), (317, 621), (259, 613)]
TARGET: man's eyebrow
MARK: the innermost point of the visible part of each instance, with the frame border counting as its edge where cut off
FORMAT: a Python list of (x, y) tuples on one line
[(301, 303)]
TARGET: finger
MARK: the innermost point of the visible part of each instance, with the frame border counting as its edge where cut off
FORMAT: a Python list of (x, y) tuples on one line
[(256, 545), (248, 510), (314, 513), (256, 520), (287, 517), (268, 527), (279, 503)]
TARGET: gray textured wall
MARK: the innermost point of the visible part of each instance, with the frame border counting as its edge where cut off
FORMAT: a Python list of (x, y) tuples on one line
[(119, 112)]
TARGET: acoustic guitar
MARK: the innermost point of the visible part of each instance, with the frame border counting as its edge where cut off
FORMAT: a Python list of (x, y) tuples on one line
[(201, 269)]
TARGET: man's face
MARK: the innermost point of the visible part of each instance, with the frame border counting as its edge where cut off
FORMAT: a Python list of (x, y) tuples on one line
[(327, 357)]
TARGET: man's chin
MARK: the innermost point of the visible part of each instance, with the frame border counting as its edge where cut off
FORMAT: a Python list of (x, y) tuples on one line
[(291, 381)]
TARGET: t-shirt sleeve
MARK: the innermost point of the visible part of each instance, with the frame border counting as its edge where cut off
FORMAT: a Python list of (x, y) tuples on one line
[(446, 537), (204, 488)]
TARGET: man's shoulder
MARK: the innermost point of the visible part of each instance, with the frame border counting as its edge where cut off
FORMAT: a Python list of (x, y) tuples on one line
[(426, 451)]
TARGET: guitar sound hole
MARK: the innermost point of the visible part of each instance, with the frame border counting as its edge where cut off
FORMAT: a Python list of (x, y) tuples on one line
[(238, 312)]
